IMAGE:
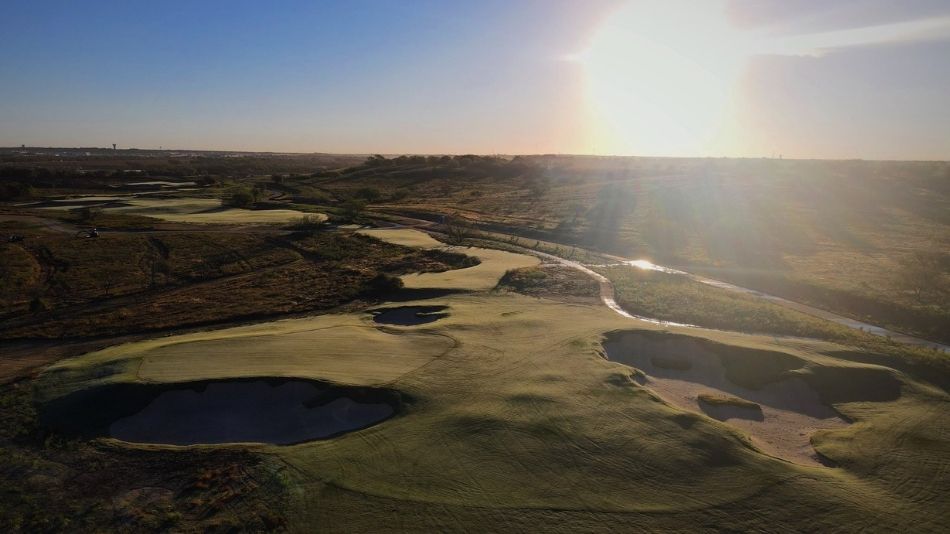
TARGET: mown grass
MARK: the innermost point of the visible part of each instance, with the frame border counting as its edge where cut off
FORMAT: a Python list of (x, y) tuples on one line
[(515, 400)]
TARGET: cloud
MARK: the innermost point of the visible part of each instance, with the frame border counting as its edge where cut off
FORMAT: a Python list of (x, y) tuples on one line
[(817, 44), (819, 16)]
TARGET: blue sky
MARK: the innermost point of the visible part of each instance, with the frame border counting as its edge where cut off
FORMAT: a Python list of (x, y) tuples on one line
[(487, 77)]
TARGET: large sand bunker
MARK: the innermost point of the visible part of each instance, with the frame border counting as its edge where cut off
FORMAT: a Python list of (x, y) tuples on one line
[(409, 315), (681, 370), (275, 411)]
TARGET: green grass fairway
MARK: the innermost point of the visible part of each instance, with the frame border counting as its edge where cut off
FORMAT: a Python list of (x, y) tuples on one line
[(206, 210), (514, 419), (494, 263), (515, 412), (339, 348)]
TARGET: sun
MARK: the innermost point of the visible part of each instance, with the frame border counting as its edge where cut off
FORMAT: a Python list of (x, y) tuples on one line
[(660, 78)]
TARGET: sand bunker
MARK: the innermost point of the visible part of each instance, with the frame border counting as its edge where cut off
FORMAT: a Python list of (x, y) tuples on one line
[(680, 370), (409, 315), (275, 411)]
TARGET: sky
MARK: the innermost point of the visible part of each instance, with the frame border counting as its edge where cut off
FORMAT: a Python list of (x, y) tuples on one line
[(798, 78)]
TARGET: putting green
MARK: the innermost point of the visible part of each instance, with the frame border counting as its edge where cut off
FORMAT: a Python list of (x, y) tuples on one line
[(484, 276), (337, 348)]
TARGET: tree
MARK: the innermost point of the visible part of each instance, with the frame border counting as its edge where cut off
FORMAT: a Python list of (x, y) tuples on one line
[(370, 194), (353, 208), (375, 160), (240, 198), (15, 191), (459, 229), (922, 273), (382, 284), (88, 214)]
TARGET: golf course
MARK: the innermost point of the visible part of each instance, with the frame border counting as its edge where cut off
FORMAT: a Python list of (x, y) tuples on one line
[(508, 410), (531, 266)]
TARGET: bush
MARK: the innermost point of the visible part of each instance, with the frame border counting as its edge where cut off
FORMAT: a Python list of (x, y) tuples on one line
[(307, 222), (240, 198), (382, 284), (352, 209), (15, 191), (370, 194), (88, 214)]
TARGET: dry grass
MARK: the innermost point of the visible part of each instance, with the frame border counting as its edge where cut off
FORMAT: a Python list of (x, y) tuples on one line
[(68, 287)]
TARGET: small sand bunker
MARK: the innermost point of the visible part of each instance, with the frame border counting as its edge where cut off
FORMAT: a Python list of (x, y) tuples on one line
[(780, 416), (276, 411), (409, 315)]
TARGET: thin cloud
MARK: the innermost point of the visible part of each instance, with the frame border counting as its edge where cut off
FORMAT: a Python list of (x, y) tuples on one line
[(818, 44)]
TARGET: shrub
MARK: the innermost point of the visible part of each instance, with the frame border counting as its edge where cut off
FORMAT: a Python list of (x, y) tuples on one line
[(307, 222), (352, 209), (15, 191), (370, 194), (88, 214), (381, 284), (240, 198)]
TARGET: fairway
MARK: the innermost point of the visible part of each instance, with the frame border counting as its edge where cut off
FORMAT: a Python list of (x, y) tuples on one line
[(514, 409), (563, 267), (484, 276), (205, 211), (338, 348)]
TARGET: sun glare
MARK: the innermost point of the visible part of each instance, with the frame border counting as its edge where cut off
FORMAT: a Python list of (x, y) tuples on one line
[(660, 78)]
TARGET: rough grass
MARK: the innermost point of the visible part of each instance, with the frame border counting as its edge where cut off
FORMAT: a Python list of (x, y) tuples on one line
[(677, 298), (63, 286), (829, 233), (51, 484), (554, 282)]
